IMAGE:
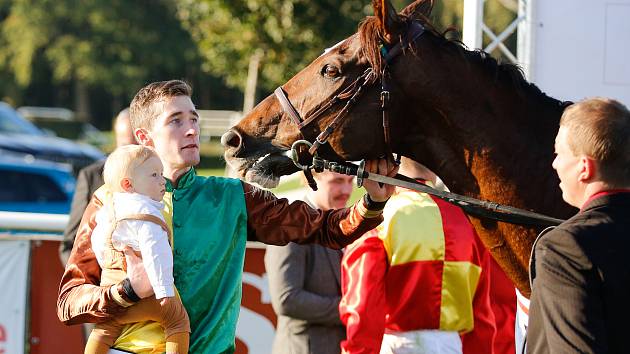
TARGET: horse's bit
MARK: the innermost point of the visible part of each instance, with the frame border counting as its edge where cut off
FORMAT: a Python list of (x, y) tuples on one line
[(351, 95)]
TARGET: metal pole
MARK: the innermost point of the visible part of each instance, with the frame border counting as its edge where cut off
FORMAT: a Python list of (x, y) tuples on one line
[(33, 221), (473, 19), (526, 36)]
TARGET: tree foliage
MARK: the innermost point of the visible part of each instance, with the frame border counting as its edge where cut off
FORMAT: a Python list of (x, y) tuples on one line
[(114, 44), (290, 33)]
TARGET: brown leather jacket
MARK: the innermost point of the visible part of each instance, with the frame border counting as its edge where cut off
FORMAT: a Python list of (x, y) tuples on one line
[(269, 220)]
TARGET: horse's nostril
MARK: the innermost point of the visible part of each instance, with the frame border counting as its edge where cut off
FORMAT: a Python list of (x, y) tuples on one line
[(231, 139)]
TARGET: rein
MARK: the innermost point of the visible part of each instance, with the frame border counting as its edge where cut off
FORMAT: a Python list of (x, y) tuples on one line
[(471, 206)]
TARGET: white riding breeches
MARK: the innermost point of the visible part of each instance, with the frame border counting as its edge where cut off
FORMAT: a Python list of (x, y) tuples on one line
[(421, 342)]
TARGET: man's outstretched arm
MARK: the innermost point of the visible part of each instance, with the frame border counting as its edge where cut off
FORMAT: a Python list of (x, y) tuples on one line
[(276, 221)]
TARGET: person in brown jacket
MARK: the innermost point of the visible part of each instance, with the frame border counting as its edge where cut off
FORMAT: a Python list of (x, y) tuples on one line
[(580, 273), (211, 218)]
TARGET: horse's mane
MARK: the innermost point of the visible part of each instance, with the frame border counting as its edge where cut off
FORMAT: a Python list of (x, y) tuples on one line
[(371, 36)]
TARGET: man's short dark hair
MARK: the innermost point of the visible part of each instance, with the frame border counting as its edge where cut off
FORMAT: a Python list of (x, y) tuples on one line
[(599, 128), (143, 111)]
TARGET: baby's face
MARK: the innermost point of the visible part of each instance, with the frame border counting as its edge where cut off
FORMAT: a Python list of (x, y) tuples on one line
[(147, 179)]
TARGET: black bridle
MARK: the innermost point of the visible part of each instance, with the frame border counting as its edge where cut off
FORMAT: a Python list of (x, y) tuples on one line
[(351, 95)]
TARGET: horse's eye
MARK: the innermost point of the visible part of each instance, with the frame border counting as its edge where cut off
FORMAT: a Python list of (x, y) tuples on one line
[(330, 71)]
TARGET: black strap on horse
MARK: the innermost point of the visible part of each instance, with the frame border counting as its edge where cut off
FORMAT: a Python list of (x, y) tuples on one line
[(475, 207)]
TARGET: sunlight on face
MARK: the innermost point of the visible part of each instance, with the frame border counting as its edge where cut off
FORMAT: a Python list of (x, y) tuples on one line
[(567, 165), (175, 133), (147, 179)]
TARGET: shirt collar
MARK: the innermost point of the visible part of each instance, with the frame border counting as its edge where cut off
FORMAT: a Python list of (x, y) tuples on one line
[(601, 194), (122, 198), (184, 181)]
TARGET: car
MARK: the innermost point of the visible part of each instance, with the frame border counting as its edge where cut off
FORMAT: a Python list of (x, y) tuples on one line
[(62, 122), (35, 186), (19, 136)]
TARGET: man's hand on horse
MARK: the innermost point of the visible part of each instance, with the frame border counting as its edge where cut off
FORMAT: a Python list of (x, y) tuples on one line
[(137, 274), (385, 167)]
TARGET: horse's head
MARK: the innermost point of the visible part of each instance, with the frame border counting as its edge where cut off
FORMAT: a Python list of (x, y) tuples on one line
[(475, 122), (257, 147)]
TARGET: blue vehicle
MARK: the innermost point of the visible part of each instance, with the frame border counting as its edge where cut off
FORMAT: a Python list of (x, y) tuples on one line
[(34, 186), (17, 135)]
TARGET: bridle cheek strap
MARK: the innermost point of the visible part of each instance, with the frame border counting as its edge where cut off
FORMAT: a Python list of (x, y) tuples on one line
[(288, 107)]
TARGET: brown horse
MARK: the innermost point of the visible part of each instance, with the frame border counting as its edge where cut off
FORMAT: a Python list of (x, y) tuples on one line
[(478, 124)]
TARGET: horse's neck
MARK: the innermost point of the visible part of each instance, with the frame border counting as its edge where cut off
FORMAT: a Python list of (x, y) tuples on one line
[(499, 145)]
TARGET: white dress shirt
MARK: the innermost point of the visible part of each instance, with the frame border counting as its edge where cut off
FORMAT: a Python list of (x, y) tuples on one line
[(144, 236)]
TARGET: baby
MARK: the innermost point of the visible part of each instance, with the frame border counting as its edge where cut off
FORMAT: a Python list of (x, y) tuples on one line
[(132, 218)]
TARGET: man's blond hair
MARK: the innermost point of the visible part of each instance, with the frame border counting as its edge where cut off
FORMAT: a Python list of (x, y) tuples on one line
[(123, 162), (144, 110), (599, 128)]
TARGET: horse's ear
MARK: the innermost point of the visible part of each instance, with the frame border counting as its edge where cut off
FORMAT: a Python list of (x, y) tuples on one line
[(387, 17), (418, 8)]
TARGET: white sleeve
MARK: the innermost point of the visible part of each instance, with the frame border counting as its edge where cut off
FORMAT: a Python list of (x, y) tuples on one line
[(157, 258)]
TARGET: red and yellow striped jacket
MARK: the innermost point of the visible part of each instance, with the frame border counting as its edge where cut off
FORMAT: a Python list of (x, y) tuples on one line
[(424, 267)]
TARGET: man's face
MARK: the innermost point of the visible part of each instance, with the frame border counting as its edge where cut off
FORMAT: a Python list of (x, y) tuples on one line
[(147, 179), (333, 190), (569, 168), (175, 133)]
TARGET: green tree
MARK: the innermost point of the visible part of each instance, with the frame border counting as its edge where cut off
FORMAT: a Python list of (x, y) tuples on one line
[(290, 33), (115, 45)]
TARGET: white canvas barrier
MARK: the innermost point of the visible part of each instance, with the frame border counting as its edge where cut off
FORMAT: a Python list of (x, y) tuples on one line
[(14, 257), (580, 48)]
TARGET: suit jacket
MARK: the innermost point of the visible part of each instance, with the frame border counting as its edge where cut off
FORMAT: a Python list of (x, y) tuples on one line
[(305, 287), (89, 180), (581, 281)]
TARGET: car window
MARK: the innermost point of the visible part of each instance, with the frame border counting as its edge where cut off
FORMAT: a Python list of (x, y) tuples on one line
[(11, 122), (18, 186)]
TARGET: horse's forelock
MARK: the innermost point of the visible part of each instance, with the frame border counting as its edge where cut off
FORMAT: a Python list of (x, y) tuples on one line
[(370, 36)]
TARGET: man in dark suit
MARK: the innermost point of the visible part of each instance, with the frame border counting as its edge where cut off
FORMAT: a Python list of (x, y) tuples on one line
[(304, 282), (89, 180), (580, 272)]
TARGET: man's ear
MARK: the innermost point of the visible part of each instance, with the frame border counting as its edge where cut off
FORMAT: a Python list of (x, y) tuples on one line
[(588, 170), (126, 184), (143, 137)]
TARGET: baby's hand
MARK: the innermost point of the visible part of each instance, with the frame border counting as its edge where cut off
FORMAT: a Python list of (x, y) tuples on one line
[(165, 301), (137, 274)]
